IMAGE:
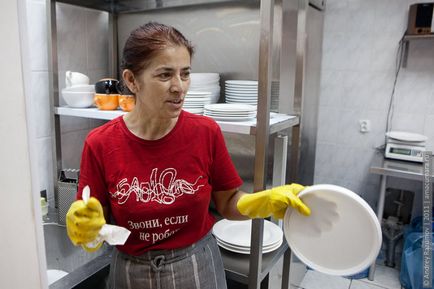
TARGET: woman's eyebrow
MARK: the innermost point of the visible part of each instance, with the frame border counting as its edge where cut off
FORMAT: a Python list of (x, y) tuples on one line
[(167, 68)]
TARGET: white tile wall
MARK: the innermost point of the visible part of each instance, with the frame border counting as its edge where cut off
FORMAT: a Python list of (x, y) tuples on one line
[(358, 70), (83, 47), (40, 103), (37, 27)]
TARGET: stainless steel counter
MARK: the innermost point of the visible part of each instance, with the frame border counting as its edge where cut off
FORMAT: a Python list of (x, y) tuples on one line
[(398, 169), (392, 168)]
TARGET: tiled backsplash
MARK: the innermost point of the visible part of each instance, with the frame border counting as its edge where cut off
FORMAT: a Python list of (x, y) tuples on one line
[(82, 46), (358, 71)]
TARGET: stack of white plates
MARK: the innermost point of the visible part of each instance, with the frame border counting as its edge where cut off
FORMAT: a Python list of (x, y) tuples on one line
[(235, 236), (241, 91), (206, 82), (195, 101), (230, 111)]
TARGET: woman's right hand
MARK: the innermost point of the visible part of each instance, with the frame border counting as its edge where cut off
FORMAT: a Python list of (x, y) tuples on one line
[(84, 221)]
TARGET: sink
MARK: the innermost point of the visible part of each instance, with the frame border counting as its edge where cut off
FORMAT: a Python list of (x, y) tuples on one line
[(79, 266)]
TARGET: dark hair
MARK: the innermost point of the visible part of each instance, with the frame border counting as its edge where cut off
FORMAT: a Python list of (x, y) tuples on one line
[(145, 41)]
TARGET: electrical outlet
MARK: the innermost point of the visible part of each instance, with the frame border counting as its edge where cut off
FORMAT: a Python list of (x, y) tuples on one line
[(365, 125)]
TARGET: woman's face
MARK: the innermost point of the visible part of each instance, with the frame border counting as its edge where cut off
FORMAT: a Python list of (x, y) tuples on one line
[(162, 86)]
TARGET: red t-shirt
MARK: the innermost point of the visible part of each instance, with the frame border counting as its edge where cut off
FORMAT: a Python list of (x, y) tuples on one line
[(160, 190)]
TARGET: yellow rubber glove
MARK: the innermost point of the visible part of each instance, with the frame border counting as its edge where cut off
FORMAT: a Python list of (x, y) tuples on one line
[(84, 221), (273, 202)]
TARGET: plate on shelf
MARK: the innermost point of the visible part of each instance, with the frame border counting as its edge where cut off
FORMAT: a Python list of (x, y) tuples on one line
[(226, 107), (247, 250), (342, 236), (235, 82), (267, 247), (194, 110), (234, 115), (238, 233), (231, 119)]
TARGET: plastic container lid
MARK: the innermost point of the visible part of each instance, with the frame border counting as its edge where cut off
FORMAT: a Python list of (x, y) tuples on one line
[(342, 236)]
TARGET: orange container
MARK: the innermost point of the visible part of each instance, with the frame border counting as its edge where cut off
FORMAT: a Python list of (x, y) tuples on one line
[(106, 101), (127, 102)]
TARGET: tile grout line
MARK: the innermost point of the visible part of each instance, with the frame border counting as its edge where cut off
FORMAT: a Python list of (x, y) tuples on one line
[(374, 284)]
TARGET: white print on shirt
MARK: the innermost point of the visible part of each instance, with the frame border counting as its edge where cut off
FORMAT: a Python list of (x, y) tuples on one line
[(154, 223), (156, 191), (145, 236)]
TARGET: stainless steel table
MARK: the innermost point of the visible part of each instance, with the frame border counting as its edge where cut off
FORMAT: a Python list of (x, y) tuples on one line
[(392, 168)]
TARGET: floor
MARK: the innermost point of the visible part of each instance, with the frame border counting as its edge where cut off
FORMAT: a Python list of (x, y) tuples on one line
[(385, 278)]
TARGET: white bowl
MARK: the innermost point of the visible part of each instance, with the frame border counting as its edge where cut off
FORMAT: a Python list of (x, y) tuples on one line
[(81, 88), (204, 77), (342, 236), (78, 99), (75, 78)]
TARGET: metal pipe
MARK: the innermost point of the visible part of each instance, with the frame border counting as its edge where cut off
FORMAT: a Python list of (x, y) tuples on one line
[(300, 65)]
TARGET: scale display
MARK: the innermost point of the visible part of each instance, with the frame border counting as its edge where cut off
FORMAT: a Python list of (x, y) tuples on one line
[(400, 151), (404, 152)]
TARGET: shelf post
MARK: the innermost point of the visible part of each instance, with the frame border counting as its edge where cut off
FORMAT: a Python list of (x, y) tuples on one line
[(113, 45), (262, 134), (53, 73), (299, 87)]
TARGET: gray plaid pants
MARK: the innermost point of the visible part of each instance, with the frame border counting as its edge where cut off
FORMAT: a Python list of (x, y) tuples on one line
[(198, 266)]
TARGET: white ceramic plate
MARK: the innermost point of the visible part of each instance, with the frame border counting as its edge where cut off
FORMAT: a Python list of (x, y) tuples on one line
[(342, 236), (241, 98), (246, 102), (197, 100), (231, 119), (237, 88), (406, 136), (194, 110), (242, 82), (248, 247), (230, 107), (233, 116), (238, 233), (247, 251), (253, 95), (231, 113)]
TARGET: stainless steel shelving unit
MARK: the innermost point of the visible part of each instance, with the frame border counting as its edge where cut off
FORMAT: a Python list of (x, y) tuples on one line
[(248, 269)]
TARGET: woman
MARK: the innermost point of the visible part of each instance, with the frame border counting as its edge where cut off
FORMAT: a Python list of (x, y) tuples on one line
[(155, 170)]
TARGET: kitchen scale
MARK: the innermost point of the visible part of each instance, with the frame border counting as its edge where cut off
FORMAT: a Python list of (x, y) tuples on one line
[(405, 146)]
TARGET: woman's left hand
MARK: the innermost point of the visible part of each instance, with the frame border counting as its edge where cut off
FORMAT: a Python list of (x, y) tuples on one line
[(273, 202)]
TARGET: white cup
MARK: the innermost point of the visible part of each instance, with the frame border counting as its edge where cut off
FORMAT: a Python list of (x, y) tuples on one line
[(75, 78)]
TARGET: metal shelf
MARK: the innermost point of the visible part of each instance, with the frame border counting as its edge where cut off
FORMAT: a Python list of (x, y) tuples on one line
[(249, 269), (278, 121), (237, 265), (134, 6), (406, 44)]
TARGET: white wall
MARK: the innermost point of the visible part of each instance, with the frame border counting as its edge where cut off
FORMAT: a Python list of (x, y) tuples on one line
[(83, 47), (358, 67), (21, 256)]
